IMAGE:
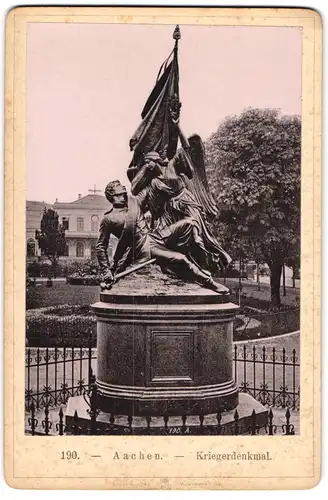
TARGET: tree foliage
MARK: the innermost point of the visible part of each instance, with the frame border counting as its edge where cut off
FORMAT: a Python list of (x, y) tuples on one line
[(254, 173), (51, 237)]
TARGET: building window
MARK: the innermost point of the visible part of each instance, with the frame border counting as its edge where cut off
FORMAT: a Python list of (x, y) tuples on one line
[(93, 250), (30, 248), (66, 252), (65, 223), (80, 224), (94, 223), (79, 249)]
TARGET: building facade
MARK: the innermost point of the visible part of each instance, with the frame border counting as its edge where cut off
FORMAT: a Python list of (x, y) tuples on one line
[(81, 219)]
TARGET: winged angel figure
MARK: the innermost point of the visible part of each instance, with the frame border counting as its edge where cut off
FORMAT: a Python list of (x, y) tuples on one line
[(169, 184)]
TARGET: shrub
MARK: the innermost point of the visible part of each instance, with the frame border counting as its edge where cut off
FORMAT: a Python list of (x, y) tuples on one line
[(33, 269), (29, 281), (39, 269), (61, 326), (75, 279), (87, 273), (63, 269)]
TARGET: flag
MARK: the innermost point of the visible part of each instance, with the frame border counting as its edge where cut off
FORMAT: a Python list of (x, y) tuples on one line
[(156, 131)]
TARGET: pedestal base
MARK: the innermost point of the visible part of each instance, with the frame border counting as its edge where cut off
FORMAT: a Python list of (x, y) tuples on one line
[(172, 400), (138, 425), (164, 347)]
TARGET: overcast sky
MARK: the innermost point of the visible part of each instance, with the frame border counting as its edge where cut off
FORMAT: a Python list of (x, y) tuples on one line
[(87, 84)]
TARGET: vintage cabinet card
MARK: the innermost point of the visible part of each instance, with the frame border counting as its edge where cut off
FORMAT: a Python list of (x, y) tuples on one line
[(162, 248)]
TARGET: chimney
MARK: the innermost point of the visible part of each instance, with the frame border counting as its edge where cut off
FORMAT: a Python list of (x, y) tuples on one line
[(56, 200), (79, 196)]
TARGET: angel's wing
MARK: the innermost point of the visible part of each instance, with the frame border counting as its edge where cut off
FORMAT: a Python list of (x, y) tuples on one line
[(198, 184)]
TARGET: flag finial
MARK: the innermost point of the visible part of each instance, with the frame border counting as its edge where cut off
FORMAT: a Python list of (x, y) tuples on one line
[(176, 33)]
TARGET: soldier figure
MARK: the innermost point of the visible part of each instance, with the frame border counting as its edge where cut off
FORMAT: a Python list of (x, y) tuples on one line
[(172, 246)]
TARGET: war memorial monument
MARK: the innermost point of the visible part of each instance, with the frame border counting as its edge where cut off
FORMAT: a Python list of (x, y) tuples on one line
[(164, 325)]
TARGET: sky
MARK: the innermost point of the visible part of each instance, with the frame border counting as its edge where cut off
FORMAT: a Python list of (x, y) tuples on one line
[(87, 84)]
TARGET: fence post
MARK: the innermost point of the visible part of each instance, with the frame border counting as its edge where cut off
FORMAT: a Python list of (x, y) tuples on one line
[(32, 421), (183, 427), (60, 425), (38, 361), (236, 426), (76, 428), (56, 362), (294, 377), (253, 423), (90, 373), (219, 428), (111, 424), (263, 376), (166, 422), (235, 364), (93, 411), (148, 420), (64, 376), (288, 429), (274, 376), (28, 377), (201, 424), (130, 420), (254, 371), (271, 428), (283, 378), (46, 424), (244, 359)]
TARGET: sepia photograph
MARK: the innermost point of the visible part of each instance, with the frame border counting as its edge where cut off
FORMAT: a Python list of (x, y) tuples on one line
[(162, 248), (163, 177)]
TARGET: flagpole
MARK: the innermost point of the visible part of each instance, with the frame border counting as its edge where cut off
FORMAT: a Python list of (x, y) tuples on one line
[(176, 36)]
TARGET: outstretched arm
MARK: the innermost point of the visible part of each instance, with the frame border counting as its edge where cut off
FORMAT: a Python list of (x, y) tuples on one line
[(174, 110), (184, 141), (144, 176)]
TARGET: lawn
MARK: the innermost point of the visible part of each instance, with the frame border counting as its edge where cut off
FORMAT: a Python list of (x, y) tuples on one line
[(254, 321), (61, 293)]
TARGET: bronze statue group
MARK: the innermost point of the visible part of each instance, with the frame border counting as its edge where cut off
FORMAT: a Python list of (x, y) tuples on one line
[(165, 220)]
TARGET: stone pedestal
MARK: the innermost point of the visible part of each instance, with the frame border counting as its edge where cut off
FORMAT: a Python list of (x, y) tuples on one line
[(121, 424), (164, 347)]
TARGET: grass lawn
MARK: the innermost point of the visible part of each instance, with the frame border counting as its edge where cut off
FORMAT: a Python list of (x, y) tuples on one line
[(250, 323), (61, 293)]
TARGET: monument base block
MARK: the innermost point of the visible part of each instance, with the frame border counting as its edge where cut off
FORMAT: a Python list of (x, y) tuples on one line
[(121, 423), (164, 346)]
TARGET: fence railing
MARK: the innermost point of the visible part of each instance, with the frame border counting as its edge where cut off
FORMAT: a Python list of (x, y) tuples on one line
[(54, 374), (44, 423), (270, 376)]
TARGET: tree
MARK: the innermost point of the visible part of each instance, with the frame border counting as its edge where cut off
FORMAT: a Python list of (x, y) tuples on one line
[(254, 173), (51, 238)]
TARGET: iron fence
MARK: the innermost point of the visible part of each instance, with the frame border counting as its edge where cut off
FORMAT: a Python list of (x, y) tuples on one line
[(55, 374), (270, 376), (46, 423)]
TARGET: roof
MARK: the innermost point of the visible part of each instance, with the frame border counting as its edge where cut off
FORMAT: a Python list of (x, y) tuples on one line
[(36, 205), (92, 200)]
